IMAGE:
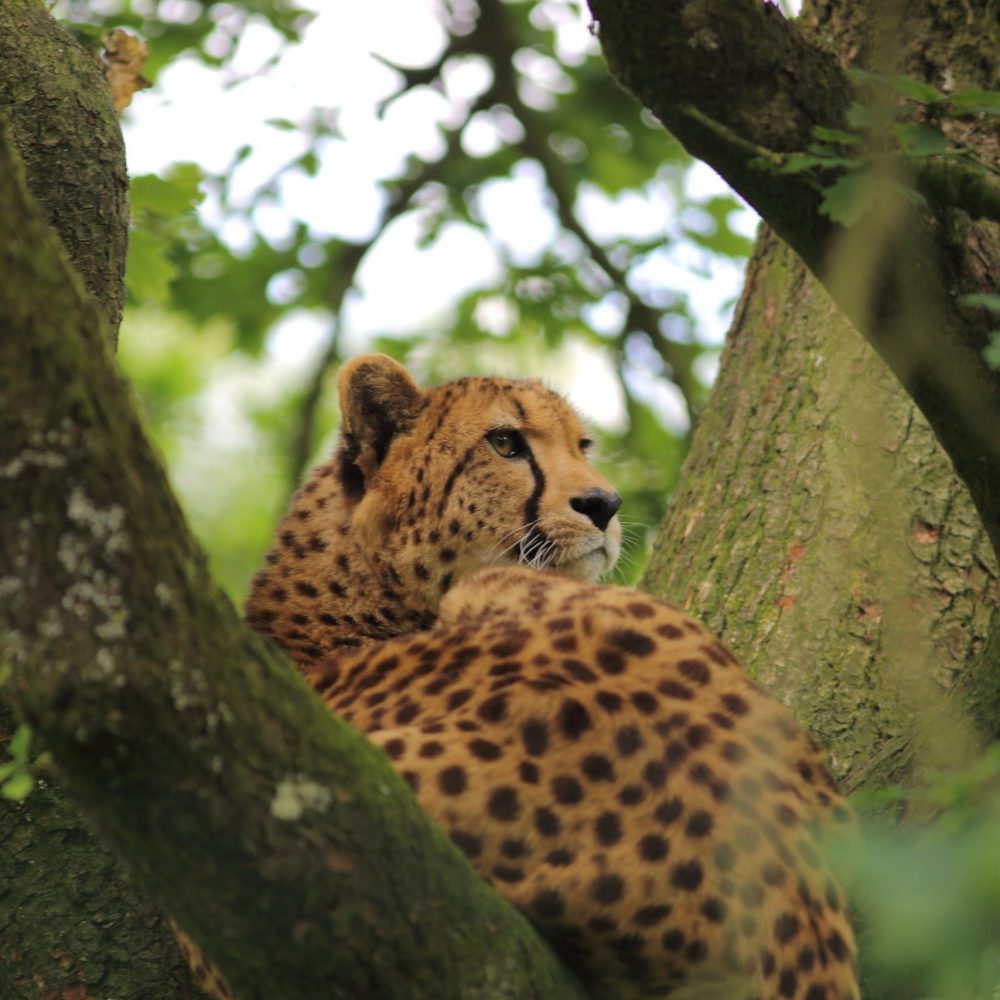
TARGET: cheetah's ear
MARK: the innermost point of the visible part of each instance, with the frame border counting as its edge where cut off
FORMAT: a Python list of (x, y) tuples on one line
[(378, 400)]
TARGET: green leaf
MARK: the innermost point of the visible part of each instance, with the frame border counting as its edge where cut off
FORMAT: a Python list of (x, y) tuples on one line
[(975, 100), (981, 300), (860, 75), (837, 135), (847, 198), (921, 140), (831, 156), (797, 163), (18, 787), (992, 353), (309, 162), (172, 195), (905, 86), (20, 742), (916, 90), (149, 272), (858, 116), (852, 195)]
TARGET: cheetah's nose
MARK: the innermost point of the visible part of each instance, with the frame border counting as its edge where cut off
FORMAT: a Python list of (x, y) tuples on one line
[(599, 505)]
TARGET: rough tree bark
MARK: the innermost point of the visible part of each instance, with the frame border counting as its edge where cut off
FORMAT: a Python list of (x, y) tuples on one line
[(818, 524), (57, 105)]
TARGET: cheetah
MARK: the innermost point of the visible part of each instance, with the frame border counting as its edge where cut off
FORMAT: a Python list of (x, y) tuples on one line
[(600, 757)]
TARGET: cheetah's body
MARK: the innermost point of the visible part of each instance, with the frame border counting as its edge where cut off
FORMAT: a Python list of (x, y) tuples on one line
[(599, 756)]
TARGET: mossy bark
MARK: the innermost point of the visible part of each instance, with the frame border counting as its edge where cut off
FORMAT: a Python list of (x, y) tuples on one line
[(71, 921), (58, 108), (276, 835), (819, 526)]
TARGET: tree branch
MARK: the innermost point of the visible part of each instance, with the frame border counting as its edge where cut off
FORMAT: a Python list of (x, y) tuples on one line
[(97, 928), (277, 836), (715, 71), (494, 38), (59, 110)]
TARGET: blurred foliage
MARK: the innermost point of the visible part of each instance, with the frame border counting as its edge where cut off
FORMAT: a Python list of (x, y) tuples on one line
[(992, 304), (239, 427), (17, 779), (927, 893)]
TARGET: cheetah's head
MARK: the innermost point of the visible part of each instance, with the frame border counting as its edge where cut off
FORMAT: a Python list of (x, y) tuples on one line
[(474, 473)]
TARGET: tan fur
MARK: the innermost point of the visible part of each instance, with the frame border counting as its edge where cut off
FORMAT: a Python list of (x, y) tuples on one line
[(600, 757)]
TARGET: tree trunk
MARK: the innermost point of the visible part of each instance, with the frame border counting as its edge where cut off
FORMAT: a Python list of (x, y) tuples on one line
[(71, 921), (818, 524), (820, 528)]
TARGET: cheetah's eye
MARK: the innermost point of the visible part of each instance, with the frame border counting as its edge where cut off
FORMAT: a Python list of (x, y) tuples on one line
[(507, 443), (586, 444)]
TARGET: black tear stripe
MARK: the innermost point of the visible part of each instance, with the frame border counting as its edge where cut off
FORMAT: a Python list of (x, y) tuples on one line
[(534, 538)]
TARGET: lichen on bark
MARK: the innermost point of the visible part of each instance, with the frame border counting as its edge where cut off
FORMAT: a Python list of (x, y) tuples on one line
[(71, 920)]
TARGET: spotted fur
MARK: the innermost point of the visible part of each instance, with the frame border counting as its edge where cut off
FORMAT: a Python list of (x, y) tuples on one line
[(600, 757)]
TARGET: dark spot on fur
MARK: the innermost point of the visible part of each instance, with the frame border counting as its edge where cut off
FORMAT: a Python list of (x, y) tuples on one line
[(597, 767), (452, 780), (652, 847), (484, 750), (632, 642), (547, 823), (567, 789), (469, 844), (687, 875), (503, 804), (494, 709), (628, 740), (607, 889), (608, 829), (574, 719)]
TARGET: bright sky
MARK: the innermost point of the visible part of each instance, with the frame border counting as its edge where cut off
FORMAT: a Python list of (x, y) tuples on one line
[(199, 114)]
